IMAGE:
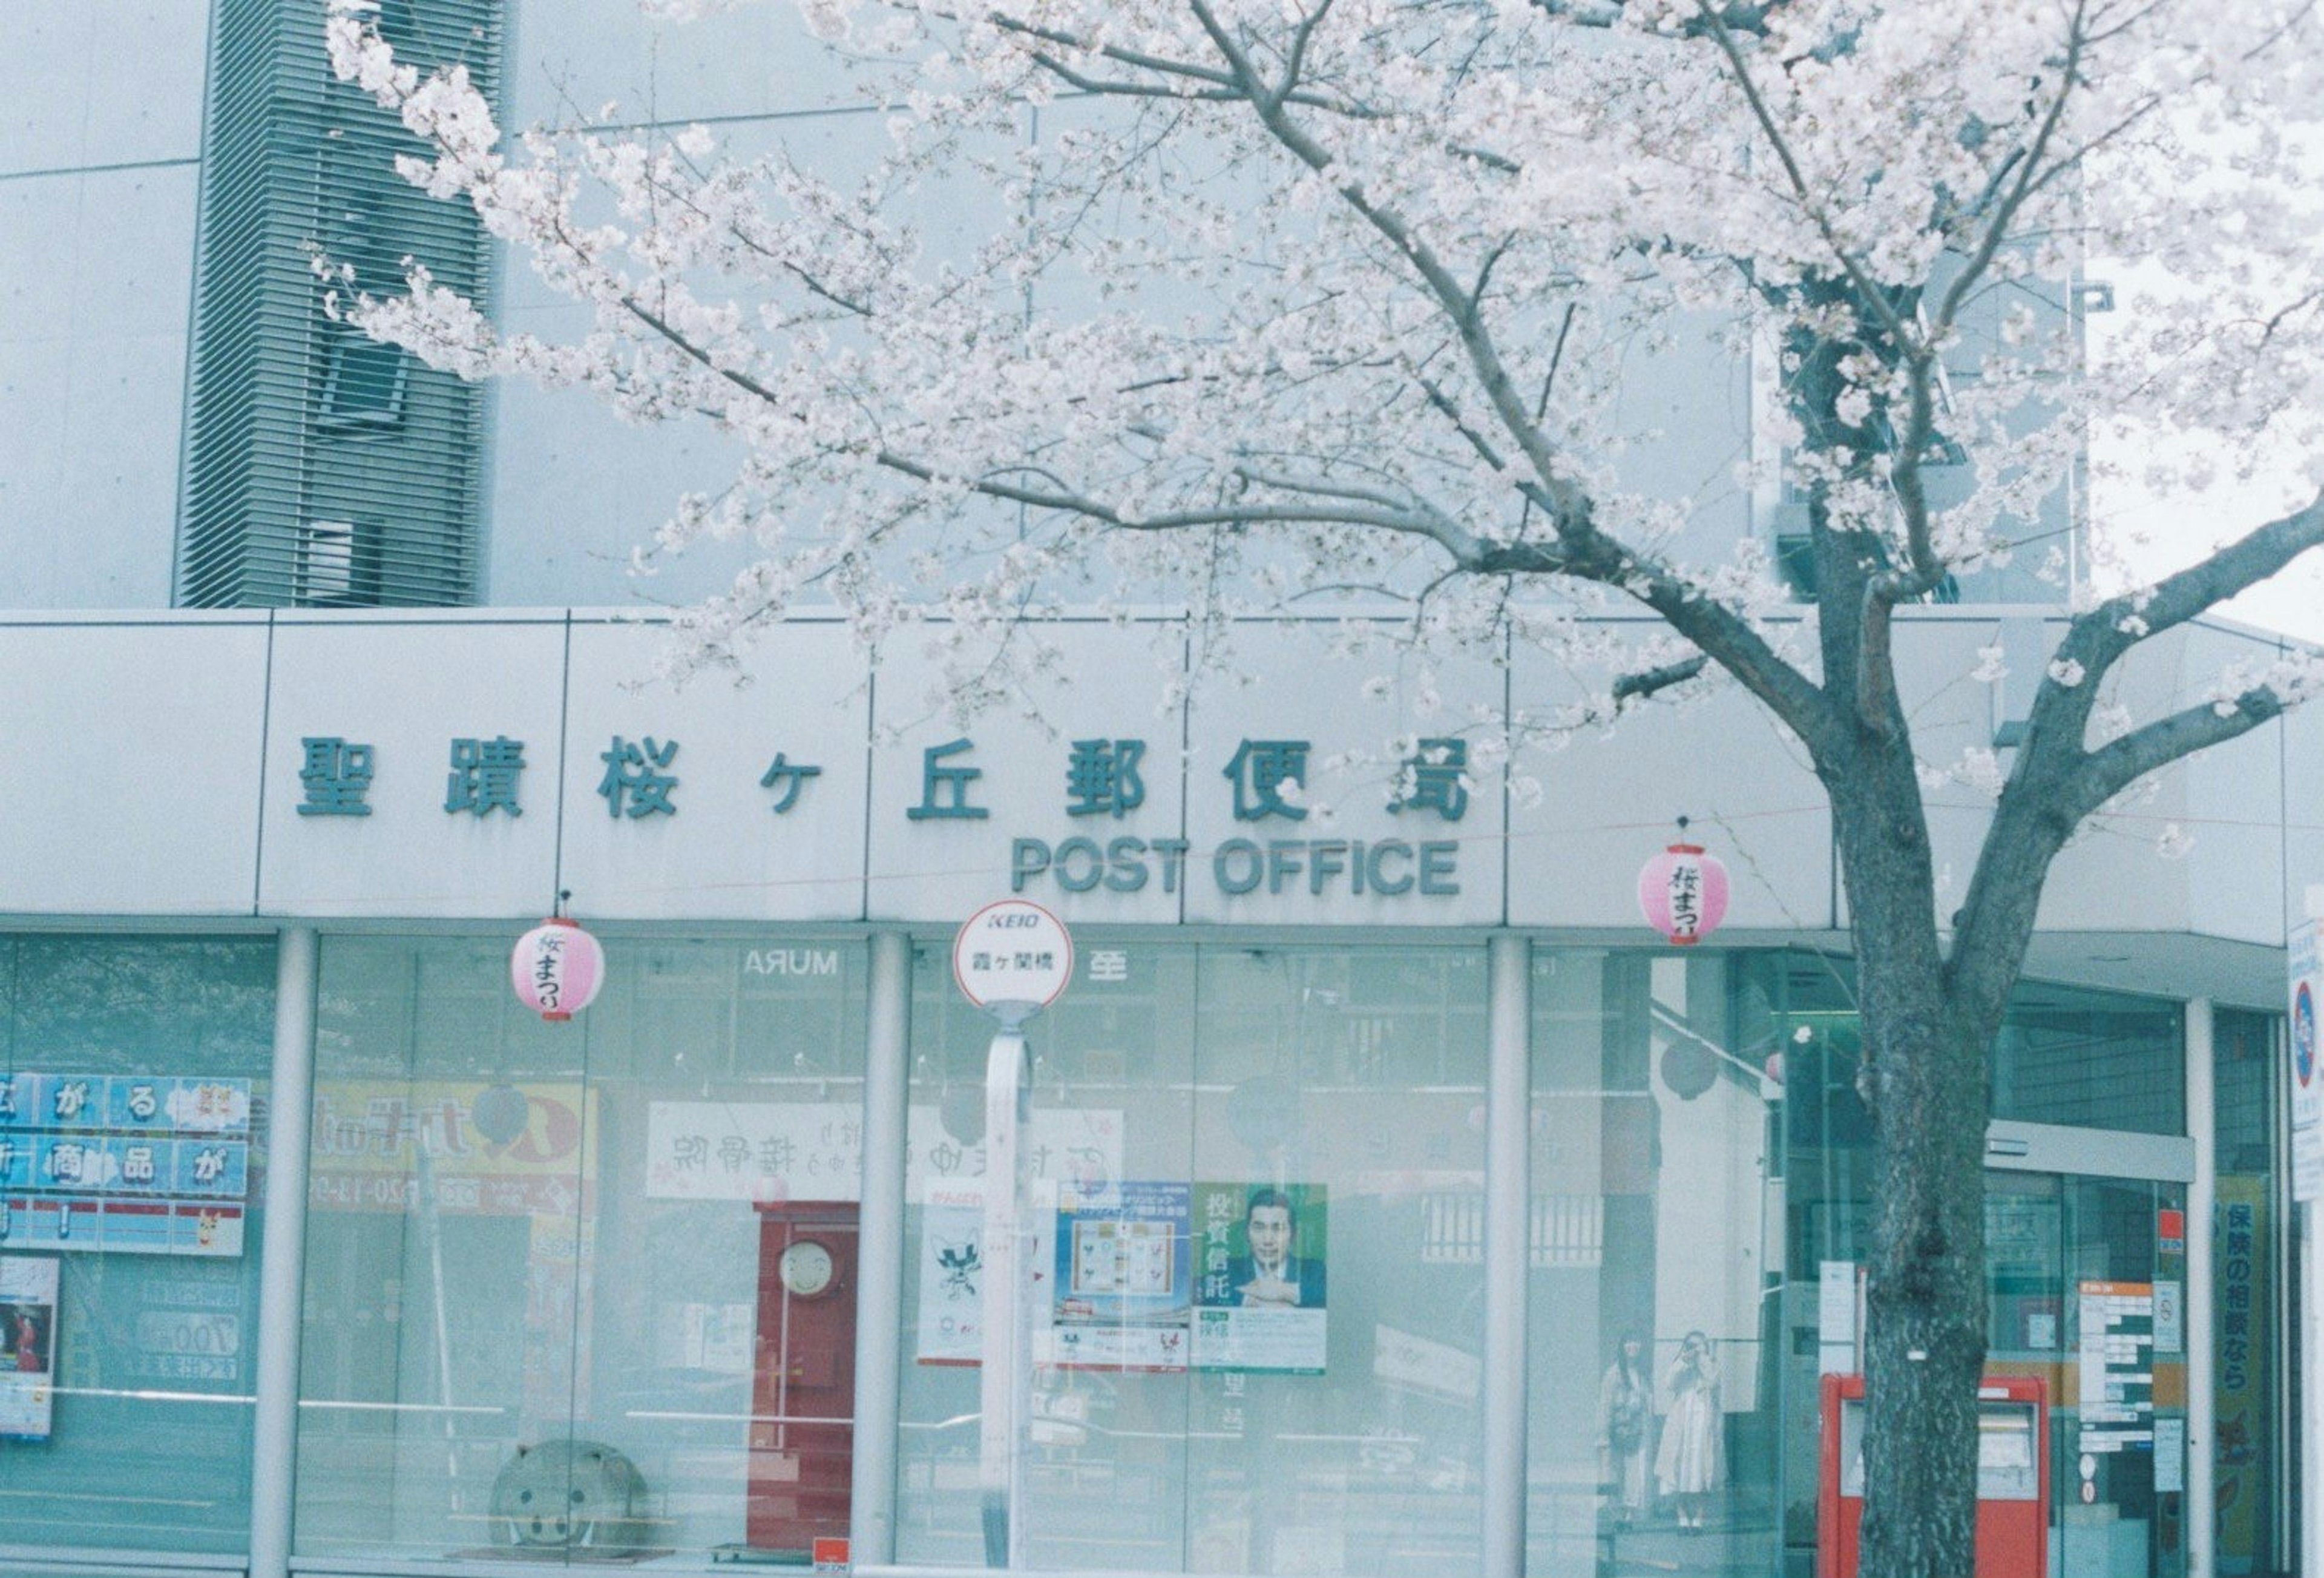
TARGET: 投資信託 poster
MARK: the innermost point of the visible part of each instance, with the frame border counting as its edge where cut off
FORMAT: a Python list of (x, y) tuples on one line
[(1260, 1280)]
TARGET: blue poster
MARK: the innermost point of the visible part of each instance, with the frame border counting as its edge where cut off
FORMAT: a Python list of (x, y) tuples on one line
[(1124, 1279), (125, 1163)]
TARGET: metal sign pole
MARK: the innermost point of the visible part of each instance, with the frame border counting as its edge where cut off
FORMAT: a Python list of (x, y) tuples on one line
[(1011, 958), (1007, 1370)]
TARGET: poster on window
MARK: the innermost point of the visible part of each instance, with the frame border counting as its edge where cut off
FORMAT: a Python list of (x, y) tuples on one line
[(124, 1163), (1123, 1279), (2243, 1383), (2117, 1366), (950, 1326), (1259, 1290), (951, 1274), (28, 1344)]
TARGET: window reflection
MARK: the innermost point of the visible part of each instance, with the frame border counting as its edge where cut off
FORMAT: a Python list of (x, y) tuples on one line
[(1319, 1112), (134, 1330), (1657, 1211), (548, 1305)]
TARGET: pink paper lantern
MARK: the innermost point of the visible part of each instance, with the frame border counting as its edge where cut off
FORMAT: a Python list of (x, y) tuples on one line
[(556, 969), (1684, 892)]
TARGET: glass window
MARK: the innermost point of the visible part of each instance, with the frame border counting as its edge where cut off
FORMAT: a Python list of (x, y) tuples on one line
[(2092, 1060), (2065, 1055), (2085, 1287), (1286, 1380), (133, 1119), (2057, 1248), (1656, 1241), (553, 1271)]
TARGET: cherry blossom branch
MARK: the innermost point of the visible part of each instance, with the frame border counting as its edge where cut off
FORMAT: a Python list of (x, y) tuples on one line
[(1583, 549), (1407, 519), (2096, 640), (1869, 293)]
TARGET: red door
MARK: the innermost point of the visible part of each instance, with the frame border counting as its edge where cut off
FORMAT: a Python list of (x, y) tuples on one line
[(803, 1401)]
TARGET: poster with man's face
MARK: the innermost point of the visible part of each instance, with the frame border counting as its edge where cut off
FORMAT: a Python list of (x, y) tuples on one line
[(1261, 1282)]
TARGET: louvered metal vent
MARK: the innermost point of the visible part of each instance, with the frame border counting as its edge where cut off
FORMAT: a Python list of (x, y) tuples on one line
[(325, 470)]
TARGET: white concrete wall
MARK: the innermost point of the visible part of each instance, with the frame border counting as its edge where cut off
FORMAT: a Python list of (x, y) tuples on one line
[(100, 139), (168, 753), (573, 488)]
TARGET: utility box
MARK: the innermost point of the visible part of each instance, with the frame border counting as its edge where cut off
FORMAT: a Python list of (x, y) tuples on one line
[(2012, 1477)]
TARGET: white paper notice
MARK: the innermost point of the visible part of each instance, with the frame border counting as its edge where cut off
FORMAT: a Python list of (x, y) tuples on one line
[(1836, 1302), (2169, 1318), (2170, 1455)]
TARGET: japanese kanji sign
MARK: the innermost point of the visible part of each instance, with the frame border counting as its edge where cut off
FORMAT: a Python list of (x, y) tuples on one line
[(766, 1152), (124, 1162)]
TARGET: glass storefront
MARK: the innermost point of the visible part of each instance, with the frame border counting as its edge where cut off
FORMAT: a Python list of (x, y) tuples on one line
[(538, 1264), (587, 1291), (132, 1137), (2086, 1276), (2086, 1282), (1656, 1195), (1317, 1107)]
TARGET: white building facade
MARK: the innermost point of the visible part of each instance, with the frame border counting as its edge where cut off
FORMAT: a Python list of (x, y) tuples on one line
[(321, 1253)]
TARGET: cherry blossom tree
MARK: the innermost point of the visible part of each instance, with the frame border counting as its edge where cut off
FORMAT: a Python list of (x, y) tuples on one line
[(1281, 295)]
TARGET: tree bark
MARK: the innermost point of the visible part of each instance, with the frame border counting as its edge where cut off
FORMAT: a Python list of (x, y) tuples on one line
[(1925, 1083)]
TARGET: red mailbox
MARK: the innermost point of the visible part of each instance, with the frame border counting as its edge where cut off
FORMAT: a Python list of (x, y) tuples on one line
[(2012, 1477)]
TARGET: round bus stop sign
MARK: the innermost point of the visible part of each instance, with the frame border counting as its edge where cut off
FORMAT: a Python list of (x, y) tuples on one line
[(1012, 959)]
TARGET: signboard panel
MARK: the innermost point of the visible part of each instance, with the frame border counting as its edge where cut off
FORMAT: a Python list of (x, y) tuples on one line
[(147, 740), (2116, 1391), (766, 1152), (1367, 791), (2304, 1087), (124, 1163), (400, 780), (490, 1149), (1072, 796), (737, 796)]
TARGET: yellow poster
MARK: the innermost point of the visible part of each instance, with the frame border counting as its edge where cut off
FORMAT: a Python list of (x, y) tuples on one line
[(497, 1149)]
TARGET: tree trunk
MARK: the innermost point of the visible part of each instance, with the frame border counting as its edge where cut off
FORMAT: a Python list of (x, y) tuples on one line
[(1925, 1082)]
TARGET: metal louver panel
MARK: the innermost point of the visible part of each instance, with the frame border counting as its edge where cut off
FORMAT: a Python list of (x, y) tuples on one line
[(322, 470)]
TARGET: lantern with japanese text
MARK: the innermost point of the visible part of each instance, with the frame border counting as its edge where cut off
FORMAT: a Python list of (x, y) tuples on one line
[(1683, 891), (556, 969)]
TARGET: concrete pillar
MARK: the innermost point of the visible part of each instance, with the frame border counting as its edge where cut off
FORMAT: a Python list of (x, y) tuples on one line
[(2202, 1201), (283, 1255), (880, 1285), (1508, 1101)]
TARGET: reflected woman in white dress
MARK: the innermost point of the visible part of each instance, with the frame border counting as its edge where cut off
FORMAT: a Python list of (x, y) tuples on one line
[(1689, 1463)]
